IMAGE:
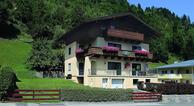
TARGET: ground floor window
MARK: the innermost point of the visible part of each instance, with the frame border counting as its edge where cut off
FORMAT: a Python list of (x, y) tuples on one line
[(104, 82), (135, 81), (117, 83), (147, 80), (187, 82)]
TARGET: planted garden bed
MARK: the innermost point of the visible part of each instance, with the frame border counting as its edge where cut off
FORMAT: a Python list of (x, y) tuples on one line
[(95, 95)]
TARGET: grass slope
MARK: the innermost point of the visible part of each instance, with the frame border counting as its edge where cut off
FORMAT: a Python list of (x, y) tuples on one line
[(14, 53)]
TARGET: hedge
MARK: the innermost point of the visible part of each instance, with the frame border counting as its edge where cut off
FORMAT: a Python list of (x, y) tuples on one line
[(95, 95), (7, 82), (168, 88)]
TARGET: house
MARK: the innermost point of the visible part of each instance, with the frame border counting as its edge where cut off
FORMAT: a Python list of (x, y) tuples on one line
[(109, 52), (181, 72)]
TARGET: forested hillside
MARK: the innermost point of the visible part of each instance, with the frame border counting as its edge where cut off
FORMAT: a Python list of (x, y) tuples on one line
[(45, 21)]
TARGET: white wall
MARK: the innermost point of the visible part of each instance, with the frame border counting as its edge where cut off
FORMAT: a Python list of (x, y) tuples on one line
[(99, 42), (102, 65), (73, 47)]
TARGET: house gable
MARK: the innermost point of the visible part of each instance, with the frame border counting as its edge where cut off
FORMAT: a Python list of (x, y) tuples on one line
[(88, 31)]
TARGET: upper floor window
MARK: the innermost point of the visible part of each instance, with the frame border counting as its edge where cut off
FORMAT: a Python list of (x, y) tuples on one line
[(114, 45), (136, 48), (136, 68), (114, 65), (69, 51)]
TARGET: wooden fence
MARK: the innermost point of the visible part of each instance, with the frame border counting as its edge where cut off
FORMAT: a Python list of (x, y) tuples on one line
[(146, 96), (35, 95)]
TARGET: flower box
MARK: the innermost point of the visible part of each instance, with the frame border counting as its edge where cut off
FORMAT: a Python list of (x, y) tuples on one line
[(141, 52), (79, 50), (110, 49)]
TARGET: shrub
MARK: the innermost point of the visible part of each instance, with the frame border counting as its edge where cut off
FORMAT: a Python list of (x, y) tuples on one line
[(95, 95), (169, 88), (7, 81)]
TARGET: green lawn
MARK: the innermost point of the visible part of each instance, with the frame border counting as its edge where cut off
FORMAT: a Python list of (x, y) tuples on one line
[(49, 83)]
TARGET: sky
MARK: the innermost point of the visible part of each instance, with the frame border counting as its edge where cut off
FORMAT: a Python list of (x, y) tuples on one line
[(179, 7)]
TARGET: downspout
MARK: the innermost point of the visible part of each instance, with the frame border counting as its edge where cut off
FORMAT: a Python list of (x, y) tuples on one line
[(192, 76)]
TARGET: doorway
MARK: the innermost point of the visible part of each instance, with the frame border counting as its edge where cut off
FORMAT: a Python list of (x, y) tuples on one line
[(81, 68)]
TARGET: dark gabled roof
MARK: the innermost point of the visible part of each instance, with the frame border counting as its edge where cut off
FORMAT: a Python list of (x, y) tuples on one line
[(107, 18), (120, 15)]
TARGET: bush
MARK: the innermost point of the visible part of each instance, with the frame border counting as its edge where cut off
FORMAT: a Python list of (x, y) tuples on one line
[(169, 88), (95, 95), (7, 81)]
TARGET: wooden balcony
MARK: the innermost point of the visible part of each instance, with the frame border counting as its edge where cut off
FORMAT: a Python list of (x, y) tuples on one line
[(121, 53), (125, 34)]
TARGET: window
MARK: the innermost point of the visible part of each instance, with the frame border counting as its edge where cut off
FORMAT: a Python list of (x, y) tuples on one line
[(115, 66), (187, 71), (70, 51), (164, 72), (136, 47), (135, 69), (187, 82), (114, 45), (135, 81), (147, 80), (69, 67), (178, 71), (171, 71)]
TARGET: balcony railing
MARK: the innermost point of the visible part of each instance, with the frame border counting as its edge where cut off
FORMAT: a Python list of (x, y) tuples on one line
[(125, 34), (175, 76), (121, 53), (104, 72)]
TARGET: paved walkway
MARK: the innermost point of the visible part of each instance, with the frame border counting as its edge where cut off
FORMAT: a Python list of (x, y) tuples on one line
[(97, 104), (168, 100), (178, 99)]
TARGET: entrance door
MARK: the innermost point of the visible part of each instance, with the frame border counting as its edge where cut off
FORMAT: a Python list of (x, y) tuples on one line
[(81, 68), (117, 83), (104, 83)]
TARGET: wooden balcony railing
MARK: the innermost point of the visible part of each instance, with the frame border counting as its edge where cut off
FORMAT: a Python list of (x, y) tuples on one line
[(125, 34), (106, 72), (120, 53)]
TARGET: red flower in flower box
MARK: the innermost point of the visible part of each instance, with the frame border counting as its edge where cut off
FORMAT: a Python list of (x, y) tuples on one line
[(141, 52), (110, 49), (79, 50)]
